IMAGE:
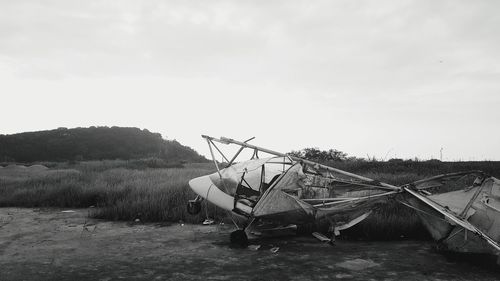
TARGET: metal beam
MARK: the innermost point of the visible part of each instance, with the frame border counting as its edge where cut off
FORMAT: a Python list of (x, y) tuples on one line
[(305, 161)]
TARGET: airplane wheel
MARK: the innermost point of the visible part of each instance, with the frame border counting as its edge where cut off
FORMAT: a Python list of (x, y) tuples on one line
[(239, 238), (193, 207)]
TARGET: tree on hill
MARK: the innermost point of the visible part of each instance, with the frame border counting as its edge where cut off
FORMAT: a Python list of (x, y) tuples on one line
[(94, 143), (314, 154)]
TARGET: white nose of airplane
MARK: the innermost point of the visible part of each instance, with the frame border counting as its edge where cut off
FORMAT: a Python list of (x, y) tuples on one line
[(201, 185), (204, 187)]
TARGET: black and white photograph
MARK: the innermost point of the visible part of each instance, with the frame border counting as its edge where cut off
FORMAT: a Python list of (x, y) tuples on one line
[(249, 140)]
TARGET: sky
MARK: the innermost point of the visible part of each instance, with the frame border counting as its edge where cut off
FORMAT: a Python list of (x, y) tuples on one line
[(383, 79)]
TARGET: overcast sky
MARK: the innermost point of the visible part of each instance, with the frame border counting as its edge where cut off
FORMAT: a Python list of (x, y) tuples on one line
[(379, 78)]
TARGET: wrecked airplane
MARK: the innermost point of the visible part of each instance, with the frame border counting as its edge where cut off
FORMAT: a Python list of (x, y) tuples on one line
[(288, 192)]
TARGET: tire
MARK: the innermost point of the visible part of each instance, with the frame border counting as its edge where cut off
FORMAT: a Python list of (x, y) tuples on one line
[(239, 239), (193, 207)]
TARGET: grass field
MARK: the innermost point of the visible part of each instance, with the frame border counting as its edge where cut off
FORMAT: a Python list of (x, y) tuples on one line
[(116, 192), (121, 190)]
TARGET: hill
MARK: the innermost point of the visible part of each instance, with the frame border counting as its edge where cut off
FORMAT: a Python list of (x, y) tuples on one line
[(94, 143)]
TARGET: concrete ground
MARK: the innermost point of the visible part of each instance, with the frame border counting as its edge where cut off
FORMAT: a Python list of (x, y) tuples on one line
[(52, 244)]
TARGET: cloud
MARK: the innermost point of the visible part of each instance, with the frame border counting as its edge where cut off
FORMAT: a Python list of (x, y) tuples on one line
[(323, 44), (388, 68)]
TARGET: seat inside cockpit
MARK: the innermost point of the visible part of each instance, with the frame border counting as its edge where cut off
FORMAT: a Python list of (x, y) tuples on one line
[(257, 176), (249, 196)]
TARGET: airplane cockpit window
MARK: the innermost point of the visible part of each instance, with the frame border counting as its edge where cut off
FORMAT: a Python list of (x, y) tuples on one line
[(256, 180)]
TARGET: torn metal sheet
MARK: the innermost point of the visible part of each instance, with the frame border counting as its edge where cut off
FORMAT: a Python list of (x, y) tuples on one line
[(465, 219)]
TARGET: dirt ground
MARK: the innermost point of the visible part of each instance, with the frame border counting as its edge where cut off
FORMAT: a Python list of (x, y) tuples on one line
[(52, 244)]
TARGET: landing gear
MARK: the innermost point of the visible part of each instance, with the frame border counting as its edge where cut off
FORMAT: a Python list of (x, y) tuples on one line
[(239, 238), (194, 206)]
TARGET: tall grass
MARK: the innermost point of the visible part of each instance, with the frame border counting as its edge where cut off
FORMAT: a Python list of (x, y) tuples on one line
[(116, 193), (151, 195), (125, 190), (390, 220)]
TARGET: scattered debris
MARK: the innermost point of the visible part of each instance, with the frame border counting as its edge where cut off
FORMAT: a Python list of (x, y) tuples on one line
[(274, 250), (254, 247), (321, 237), (86, 228), (208, 221), (256, 233), (6, 220)]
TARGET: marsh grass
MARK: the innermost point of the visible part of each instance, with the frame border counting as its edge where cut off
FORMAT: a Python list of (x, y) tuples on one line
[(115, 193), (151, 195), (390, 220), (124, 190)]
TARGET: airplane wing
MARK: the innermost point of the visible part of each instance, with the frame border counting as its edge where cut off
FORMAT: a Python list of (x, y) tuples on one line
[(473, 208)]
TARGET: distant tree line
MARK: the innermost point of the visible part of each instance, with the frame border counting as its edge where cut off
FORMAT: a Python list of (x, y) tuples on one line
[(322, 156), (94, 143), (341, 160)]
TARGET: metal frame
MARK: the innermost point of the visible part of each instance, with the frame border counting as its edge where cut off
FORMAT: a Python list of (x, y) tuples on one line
[(325, 171), (315, 165)]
